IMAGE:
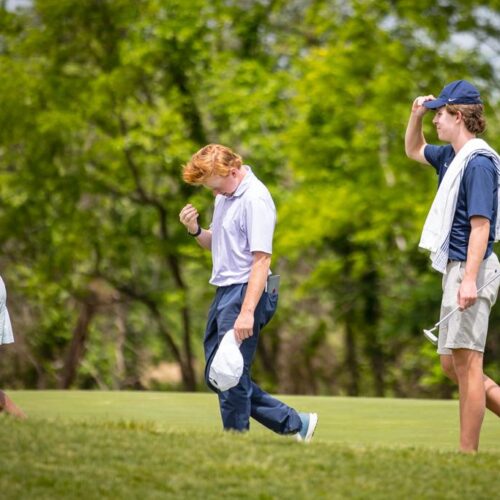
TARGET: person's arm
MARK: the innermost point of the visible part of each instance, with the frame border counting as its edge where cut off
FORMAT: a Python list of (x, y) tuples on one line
[(243, 327), (189, 217), (478, 242), (414, 137)]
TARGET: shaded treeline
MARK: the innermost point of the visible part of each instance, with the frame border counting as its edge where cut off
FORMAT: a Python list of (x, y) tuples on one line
[(101, 102)]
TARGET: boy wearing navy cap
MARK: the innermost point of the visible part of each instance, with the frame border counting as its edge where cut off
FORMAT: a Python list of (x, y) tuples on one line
[(459, 232)]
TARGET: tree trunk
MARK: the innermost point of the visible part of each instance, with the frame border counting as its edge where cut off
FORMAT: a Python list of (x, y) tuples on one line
[(374, 349), (77, 346), (351, 361), (119, 374)]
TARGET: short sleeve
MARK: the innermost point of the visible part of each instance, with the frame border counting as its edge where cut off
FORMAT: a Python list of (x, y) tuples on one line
[(260, 222), (434, 155), (480, 179)]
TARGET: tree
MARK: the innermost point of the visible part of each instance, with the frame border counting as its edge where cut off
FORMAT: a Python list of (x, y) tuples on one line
[(103, 101)]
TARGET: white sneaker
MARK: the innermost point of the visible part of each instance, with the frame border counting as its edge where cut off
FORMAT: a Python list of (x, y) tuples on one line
[(309, 422)]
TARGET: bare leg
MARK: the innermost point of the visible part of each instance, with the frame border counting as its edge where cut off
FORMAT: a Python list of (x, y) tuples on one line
[(492, 395), (7, 405), (469, 370), (491, 387)]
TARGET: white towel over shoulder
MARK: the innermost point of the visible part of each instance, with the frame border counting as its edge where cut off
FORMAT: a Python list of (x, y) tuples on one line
[(437, 228)]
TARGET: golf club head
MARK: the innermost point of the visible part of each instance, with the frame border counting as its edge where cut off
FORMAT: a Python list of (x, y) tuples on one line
[(430, 337)]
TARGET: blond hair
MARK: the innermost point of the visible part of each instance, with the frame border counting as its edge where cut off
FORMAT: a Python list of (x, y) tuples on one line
[(213, 159)]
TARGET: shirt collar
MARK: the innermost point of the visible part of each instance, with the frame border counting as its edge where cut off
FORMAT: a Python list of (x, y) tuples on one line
[(245, 183)]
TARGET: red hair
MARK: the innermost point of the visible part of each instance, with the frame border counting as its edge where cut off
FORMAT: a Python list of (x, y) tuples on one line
[(213, 159)]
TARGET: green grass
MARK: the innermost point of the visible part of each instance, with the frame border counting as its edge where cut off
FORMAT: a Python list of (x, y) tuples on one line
[(170, 445)]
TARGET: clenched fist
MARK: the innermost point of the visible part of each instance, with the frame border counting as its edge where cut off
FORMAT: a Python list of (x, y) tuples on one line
[(189, 217)]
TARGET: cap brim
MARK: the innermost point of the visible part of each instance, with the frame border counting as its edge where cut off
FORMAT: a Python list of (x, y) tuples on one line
[(436, 103)]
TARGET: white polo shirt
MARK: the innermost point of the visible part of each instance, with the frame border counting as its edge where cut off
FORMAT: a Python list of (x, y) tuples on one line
[(242, 223)]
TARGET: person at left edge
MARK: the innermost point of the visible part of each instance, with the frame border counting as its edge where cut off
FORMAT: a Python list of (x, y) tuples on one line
[(240, 239), (6, 337)]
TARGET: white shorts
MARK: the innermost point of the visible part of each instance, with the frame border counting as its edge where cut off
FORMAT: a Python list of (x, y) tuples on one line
[(467, 329)]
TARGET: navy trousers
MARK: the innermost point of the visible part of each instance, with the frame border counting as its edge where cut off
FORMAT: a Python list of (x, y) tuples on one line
[(247, 399)]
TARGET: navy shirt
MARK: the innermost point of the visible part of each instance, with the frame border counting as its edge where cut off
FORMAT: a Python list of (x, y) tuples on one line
[(477, 196)]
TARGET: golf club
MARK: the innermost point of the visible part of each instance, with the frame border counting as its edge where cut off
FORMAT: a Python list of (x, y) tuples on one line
[(433, 338)]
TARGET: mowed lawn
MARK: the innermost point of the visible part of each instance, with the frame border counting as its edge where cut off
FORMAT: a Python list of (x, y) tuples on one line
[(145, 445)]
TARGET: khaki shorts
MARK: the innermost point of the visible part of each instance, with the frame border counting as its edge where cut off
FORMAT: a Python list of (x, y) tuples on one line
[(467, 329)]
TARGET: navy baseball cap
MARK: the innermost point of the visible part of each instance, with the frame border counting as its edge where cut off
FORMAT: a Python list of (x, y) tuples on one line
[(458, 92)]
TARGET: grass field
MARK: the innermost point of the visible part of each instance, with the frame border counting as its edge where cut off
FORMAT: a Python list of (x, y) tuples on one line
[(170, 445)]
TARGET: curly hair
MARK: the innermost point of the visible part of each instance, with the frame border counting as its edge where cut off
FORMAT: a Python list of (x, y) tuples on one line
[(213, 159), (472, 114)]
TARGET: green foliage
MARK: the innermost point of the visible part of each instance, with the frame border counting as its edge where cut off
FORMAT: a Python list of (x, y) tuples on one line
[(101, 104)]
